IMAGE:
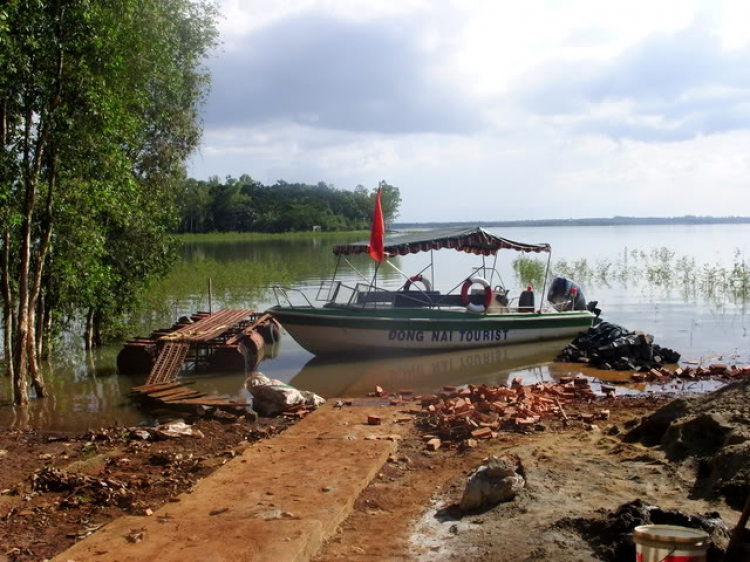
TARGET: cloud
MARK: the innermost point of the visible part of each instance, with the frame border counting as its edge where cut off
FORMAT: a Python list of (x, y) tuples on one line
[(676, 87), (484, 110), (333, 73)]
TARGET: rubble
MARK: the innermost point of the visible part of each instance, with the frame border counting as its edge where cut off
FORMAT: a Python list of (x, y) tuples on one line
[(610, 533), (480, 412), (102, 491), (713, 430), (716, 371), (611, 347), (497, 480)]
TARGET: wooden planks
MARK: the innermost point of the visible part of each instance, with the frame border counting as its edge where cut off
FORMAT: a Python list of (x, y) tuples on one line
[(178, 395), (169, 363), (209, 327), (261, 320)]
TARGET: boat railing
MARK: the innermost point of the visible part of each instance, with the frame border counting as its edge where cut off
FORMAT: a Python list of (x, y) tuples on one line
[(282, 296), (329, 291)]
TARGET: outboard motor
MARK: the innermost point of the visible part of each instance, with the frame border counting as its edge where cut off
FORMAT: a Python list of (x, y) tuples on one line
[(526, 300), (563, 294)]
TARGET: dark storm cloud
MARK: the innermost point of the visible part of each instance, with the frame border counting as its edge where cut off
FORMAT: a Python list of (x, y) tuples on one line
[(678, 86), (334, 74)]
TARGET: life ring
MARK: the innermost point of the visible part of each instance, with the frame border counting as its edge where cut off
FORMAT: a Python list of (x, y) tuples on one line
[(470, 306), (418, 279)]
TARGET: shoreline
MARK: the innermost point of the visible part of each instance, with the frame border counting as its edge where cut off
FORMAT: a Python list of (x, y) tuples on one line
[(202, 237), (245, 477)]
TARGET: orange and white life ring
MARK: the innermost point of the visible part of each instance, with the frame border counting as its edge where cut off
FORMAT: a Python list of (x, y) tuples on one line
[(470, 306), (418, 279)]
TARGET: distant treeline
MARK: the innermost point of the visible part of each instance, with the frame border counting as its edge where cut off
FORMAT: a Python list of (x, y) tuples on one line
[(611, 221), (246, 205)]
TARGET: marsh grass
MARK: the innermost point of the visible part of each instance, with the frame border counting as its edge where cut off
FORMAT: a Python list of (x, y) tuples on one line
[(661, 268), (529, 271), (235, 284)]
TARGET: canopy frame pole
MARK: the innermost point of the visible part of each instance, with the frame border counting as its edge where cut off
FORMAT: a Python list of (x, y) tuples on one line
[(336, 269), (333, 291), (407, 277), (432, 268), (373, 285), (404, 275), (473, 271), (365, 279), (544, 287), (494, 270)]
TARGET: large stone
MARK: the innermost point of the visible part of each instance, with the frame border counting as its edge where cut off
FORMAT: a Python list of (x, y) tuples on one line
[(498, 480)]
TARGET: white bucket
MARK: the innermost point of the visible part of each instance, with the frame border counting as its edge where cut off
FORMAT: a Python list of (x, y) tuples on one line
[(669, 543)]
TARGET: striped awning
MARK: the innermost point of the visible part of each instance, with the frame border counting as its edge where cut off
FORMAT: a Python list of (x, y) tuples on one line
[(473, 240)]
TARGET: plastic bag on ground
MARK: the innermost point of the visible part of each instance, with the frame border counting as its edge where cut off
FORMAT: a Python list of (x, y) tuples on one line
[(271, 396), (176, 429)]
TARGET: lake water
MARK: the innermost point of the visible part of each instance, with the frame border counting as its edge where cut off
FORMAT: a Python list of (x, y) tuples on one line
[(692, 297)]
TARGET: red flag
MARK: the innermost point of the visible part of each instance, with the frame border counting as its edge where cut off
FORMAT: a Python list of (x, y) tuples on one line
[(376, 249)]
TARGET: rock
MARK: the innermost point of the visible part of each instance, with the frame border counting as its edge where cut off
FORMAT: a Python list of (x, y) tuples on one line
[(498, 480), (140, 435), (223, 417), (609, 346)]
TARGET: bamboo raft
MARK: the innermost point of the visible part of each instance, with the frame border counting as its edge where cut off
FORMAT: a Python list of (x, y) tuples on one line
[(214, 342), (218, 341)]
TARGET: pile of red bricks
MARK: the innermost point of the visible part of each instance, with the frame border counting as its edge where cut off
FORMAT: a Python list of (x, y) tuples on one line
[(480, 412), (717, 370)]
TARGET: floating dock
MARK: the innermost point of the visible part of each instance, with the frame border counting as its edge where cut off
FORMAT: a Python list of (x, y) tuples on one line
[(222, 341), (214, 342)]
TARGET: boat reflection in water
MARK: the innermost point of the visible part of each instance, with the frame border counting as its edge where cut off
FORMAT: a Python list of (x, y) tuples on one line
[(427, 373)]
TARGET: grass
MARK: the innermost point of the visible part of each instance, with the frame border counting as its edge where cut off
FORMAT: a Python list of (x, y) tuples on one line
[(662, 268), (263, 236), (235, 284), (529, 271)]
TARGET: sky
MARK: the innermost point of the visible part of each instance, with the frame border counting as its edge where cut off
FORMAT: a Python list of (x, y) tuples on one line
[(489, 110)]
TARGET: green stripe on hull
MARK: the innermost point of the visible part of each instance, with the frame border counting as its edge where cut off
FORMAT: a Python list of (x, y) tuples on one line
[(410, 319)]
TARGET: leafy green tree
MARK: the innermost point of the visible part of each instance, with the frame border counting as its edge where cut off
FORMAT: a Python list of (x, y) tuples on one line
[(246, 205), (98, 111)]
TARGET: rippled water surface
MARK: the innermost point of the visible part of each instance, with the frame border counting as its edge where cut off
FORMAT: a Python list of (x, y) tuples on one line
[(677, 294)]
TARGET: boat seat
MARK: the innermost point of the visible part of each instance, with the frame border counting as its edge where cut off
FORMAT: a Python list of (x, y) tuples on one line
[(375, 296), (455, 300), (415, 299)]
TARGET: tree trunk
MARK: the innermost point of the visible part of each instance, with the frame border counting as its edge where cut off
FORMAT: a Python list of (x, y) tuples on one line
[(40, 312), (7, 306), (89, 335), (7, 295), (31, 167), (97, 339), (20, 356), (37, 379), (45, 345), (34, 371)]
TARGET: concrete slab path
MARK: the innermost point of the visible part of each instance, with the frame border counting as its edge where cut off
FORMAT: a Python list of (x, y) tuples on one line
[(278, 501)]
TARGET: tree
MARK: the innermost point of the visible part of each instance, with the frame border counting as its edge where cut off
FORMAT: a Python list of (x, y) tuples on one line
[(98, 111), (246, 205), (390, 200)]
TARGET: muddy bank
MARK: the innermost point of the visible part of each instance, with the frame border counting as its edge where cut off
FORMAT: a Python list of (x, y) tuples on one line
[(56, 488), (577, 476), (709, 434)]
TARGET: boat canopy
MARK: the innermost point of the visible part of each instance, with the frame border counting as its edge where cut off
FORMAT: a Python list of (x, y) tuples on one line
[(472, 240)]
